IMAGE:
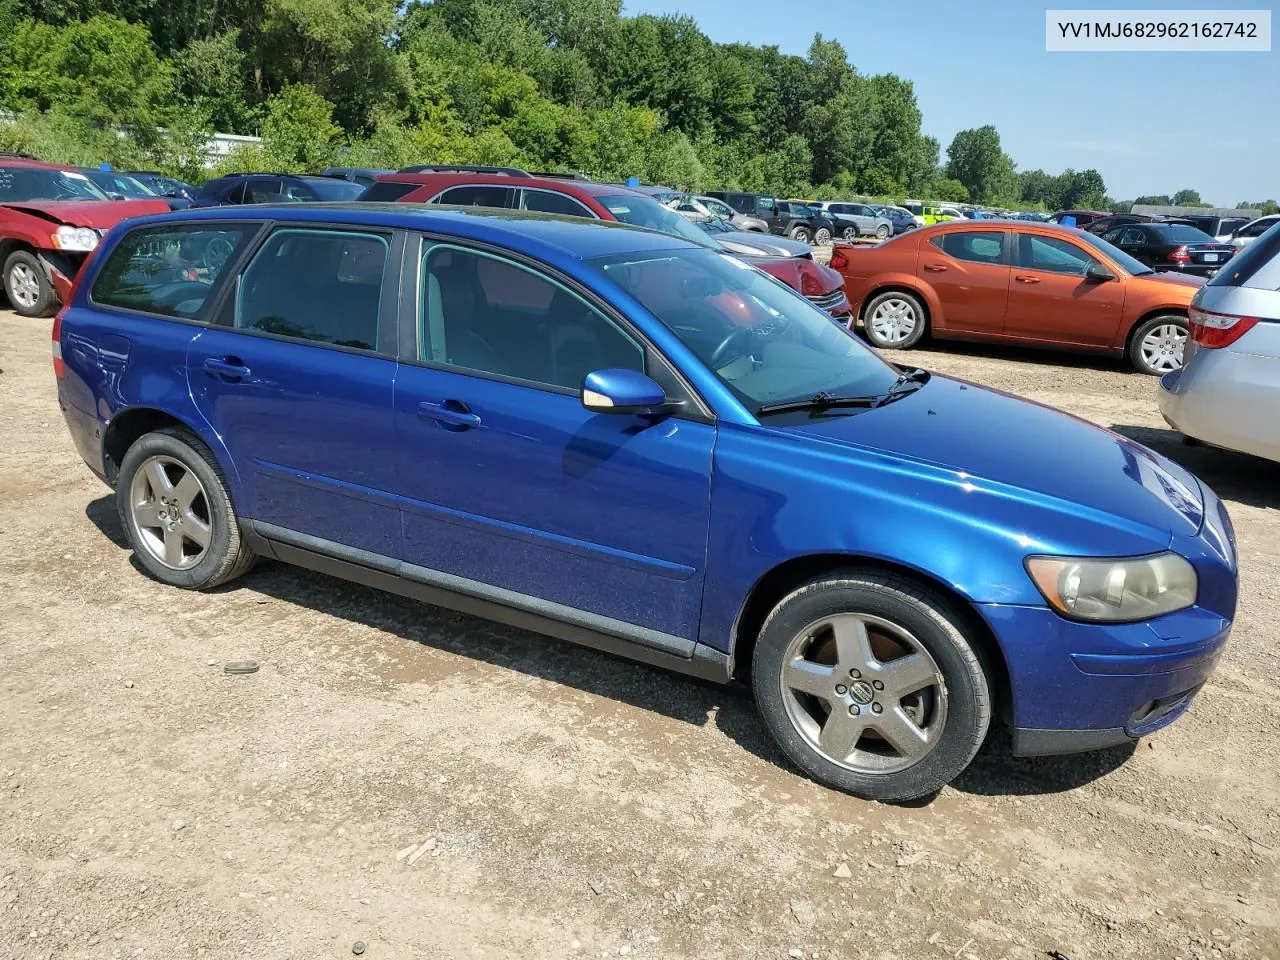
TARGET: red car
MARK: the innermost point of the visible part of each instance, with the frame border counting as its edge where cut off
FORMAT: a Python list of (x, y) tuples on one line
[(51, 218), (509, 188)]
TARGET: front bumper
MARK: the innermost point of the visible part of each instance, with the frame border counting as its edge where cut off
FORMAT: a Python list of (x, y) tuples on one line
[(1079, 686)]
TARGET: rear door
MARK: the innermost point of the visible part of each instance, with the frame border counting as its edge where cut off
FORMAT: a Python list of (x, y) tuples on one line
[(516, 491), (969, 272), (1052, 301), (297, 379)]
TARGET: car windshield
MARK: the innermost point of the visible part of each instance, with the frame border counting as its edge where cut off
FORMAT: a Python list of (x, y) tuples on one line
[(1130, 266), (120, 184), (641, 211), (34, 183), (764, 341), (335, 189), (1180, 233), (715, 226)]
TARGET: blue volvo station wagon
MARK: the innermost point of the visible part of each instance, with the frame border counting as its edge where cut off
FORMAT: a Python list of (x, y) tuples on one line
[(619, 438)]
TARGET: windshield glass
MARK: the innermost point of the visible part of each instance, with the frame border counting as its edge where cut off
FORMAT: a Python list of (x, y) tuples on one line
[(34, 183), (1127, 263), (119, 183), (715, 226), (335, 189), (641, 211), (764, 341)]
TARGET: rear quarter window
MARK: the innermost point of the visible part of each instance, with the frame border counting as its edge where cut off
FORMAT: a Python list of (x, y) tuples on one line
[(171, 271)]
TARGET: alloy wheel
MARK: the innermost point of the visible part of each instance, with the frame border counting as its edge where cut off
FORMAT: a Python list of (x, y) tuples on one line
[(1162, 347), (24, 285), (822, 237), (864, 693), (170, 512), (893, 320), (850, 233)]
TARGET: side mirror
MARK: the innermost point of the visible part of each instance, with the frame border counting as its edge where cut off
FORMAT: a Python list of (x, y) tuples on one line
[(618, 390), (1098, 274)]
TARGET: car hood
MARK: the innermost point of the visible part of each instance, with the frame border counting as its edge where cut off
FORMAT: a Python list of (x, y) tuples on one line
[(1184, 279), (985, 435), (99, 214), (747, 244)]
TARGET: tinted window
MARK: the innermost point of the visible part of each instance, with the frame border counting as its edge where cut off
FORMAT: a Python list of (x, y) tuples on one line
[(479, 196), (293, 192), (972, 246), (1258, 228), (387, 191), (1052, 255), (546, 202), (1128, 263), (169, 270), (1133, 235), (35, 183), (319, 285), (262, 191), (489, 315), (1245, 265), (1113, 236), (334, 189), (1177, 233), (234, 193), (1230, 225)]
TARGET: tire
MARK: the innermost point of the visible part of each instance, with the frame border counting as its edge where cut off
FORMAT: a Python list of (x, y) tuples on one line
[(800, 234), (822, 237), (27, 286), (882, 232), (942, 725), (1155, 348), (894, 320), (850, 233), (177, 513)]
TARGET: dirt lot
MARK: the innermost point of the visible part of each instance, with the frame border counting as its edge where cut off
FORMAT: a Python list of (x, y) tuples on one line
[(569, 804)]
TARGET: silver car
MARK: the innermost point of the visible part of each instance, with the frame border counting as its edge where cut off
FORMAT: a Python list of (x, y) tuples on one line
[(1228, 390), (1252, 230), (856, 220), (700, 208)]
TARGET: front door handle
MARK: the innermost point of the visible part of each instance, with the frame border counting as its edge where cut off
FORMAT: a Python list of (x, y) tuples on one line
[(1025, 279), (934, 267), (226, 368), (451, 414)]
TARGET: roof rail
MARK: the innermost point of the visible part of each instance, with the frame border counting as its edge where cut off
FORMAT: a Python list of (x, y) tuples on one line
[(463, 168), (560, 176), (18, 156)]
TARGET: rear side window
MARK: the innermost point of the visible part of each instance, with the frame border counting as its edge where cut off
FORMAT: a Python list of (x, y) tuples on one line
[(973, 246), (546, 202), (1250, 262), (387, 191), (479, 196), (323, 286), (172, 270)]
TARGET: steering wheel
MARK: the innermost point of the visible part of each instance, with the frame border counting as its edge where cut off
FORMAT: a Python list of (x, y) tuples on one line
[(724, 353)]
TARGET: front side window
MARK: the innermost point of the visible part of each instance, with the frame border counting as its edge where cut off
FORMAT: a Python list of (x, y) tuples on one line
[(1052, 255), (764, 341), (973, 246), (323, 286), (18, 184), (546, 202), (1132, 236), (488, 315), (171, 271), (481, 195), (262, 191)]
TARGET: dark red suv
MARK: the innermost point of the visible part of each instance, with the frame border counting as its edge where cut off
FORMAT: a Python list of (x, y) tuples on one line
[(509, 188)]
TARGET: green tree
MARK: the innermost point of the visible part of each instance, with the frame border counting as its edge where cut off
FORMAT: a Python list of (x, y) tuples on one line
[(1188, 198), (298, 131), (948, 189), (212, 77), (976, 160), (1081, 190)]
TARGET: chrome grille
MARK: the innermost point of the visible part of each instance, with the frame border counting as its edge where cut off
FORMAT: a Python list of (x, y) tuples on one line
[(827, 300)]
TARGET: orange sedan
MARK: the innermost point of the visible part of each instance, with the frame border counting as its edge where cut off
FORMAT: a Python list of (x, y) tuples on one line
[(1035, 284)]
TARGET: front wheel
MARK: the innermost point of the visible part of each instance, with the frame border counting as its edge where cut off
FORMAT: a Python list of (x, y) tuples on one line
[(822, 237), (869, 684), (894, 320), (850, 233), (1156, 347), (800, 234), (27, 286), (177, 512), (882, 232)]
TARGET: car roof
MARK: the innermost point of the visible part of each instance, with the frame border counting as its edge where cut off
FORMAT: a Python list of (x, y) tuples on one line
[(10, 160), (566, 184), (575, 237)]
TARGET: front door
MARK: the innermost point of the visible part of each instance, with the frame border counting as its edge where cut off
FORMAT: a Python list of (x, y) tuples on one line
[(1052, 301), (969, 272), (298, 381), (509, 484)]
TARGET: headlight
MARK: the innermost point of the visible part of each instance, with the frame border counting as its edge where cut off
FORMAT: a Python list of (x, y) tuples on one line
[(80, 239), (1115, 590)]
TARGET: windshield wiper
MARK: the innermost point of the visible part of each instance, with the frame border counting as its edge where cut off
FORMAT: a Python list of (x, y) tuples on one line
[(824, 400)]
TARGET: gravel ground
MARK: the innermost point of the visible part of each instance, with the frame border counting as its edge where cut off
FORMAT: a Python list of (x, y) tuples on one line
[(436, 786)]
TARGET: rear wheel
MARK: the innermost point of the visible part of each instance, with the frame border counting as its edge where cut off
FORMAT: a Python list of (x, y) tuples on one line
[(894, 320), (869, 684), (800, 234), (27, 285), (822, 237), (177, 512), (1156, 347), (882, 232), (850, 233)]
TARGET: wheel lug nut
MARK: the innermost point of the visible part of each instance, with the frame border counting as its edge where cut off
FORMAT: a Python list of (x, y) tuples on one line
[(877, 684), (841, 689), (855, 674), (853, 710), (876, 708)]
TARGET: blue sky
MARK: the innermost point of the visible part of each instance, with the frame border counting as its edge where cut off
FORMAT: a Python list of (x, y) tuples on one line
[(1150, 123)]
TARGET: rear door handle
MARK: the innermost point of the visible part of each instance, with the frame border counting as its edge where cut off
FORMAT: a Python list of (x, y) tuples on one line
[(452, 414), (934, 267), (1025, 279), (227, 368)]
